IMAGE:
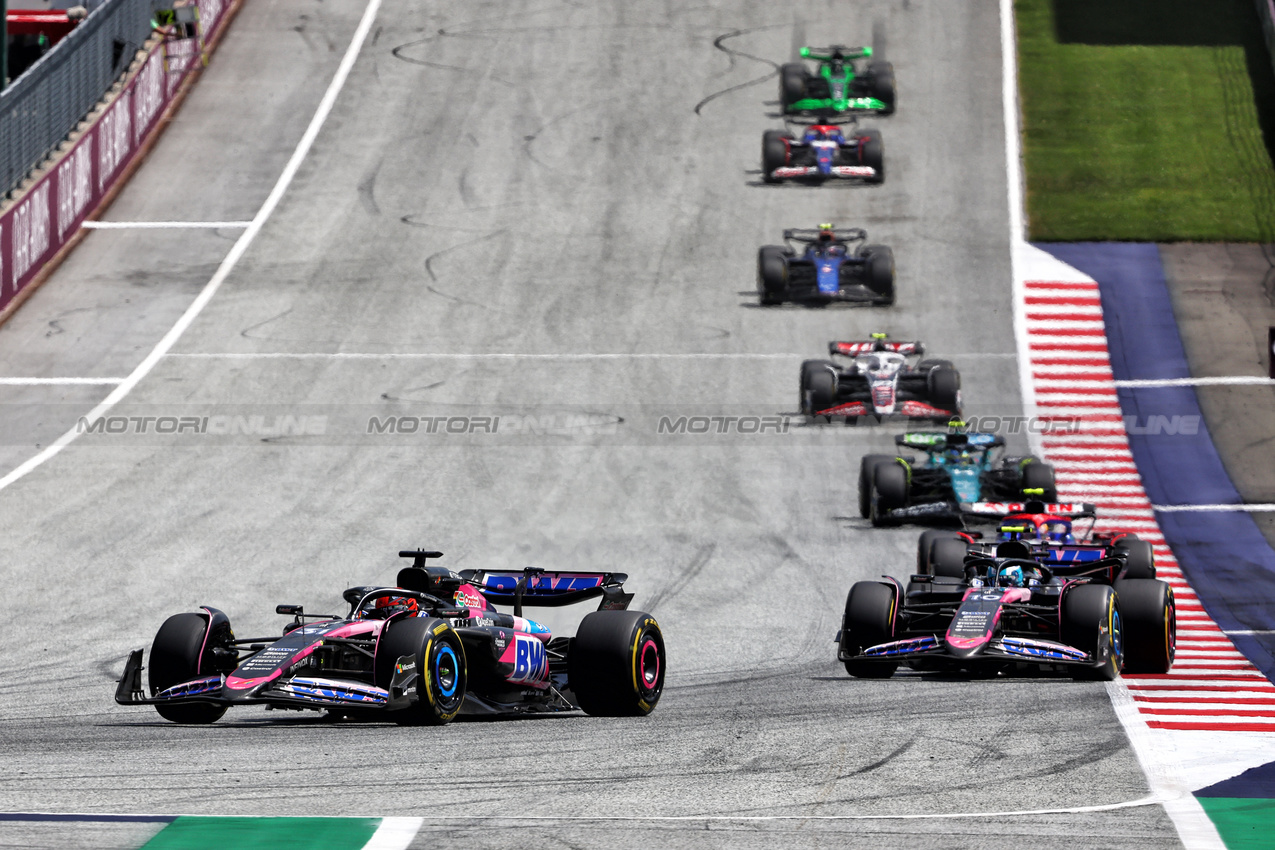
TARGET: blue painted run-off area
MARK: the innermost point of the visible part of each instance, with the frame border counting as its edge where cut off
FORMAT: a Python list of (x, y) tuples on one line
[(1223, 554)]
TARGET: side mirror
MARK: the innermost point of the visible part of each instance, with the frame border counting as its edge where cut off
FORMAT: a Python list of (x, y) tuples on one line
[(289, 610)]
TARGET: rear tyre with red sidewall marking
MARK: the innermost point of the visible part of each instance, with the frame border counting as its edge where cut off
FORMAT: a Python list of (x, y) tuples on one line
[(442, 674), (181, 653), (1150, 624), (868, 621), (616, 665), (1091, 622)]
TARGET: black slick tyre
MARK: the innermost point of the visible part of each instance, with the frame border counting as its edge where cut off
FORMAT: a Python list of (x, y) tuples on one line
[(872, 154), (772, 274), (947, 557), (924, 545), (1090, 621), (792, 83), (881, 85), (1150, 624), (868, 621), (616, 664), (1040, 476), (180, 653), (441, 669), (879, 275), (774, 153), (1139, 557), (867, 467), (944, 385), (889, 491), (818, 386)]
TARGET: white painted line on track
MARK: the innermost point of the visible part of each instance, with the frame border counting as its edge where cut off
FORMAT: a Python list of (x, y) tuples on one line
[(394, 834), (368, 355), (1247, 508), (163, 225), (1250, 632), (1165, 775), (1236, 380), (514, 355), (60, 382), (232, 259)]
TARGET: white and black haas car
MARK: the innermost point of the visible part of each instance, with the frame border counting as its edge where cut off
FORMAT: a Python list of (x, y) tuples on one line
[(824, 266), (880, 381), (824, 150), (421, 652), (1089, 620)]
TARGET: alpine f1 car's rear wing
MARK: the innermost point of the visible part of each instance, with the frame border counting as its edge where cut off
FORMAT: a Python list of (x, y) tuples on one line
[(545, 588), (1071, 510), (867, 346)]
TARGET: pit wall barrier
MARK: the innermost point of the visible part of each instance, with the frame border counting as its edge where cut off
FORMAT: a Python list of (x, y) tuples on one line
[(45, 219)]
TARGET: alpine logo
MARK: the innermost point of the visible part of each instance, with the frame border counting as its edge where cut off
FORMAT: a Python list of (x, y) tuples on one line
[(530, 662)]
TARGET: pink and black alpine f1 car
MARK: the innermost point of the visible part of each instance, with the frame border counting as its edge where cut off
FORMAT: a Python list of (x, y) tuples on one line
[(1090, 619), (430, 648)]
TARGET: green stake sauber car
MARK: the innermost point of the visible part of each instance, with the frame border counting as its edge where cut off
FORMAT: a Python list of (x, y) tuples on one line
[(838, 86)]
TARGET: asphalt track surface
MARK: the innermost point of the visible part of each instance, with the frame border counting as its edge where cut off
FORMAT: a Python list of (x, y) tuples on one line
[(527, 178)]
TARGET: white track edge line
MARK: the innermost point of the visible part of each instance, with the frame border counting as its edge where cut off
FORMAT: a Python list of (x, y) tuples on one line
[(35, 382), (162, 225), (228, 264), (1193, 825), (1249, 508), (394, 834)]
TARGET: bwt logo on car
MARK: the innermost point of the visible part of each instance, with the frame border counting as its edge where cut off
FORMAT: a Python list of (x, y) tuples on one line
[(530, 663)]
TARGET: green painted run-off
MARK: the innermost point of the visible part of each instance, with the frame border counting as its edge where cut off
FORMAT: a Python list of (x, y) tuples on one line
[(216, 833), (1243, 823)]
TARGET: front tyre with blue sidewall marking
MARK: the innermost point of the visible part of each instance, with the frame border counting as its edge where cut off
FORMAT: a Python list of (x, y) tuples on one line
[(441, 671), (1091, 622), (617, 663), (182, 652)]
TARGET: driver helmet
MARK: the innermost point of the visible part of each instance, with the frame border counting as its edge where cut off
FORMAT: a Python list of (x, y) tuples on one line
[(1011, 576), (826, 234), (385, 607)]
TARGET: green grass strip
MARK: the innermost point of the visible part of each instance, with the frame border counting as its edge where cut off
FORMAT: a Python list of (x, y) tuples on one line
[(217, 833), (1244, 824), (1141, 120)]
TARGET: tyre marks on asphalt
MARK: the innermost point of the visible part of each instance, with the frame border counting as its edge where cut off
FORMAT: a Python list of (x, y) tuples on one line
[(1212, 686)]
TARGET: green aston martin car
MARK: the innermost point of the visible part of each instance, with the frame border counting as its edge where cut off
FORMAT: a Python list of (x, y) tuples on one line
[(839, 85)]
